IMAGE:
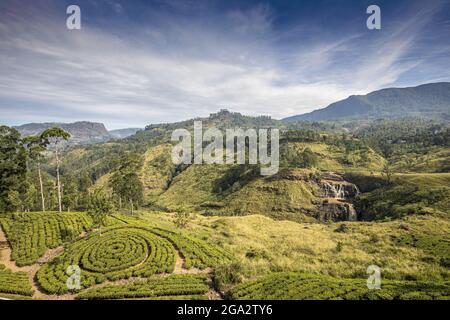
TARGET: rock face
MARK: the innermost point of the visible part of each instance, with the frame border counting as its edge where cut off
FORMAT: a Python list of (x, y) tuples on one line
[(83, 132), (337, 195), (341, 190), (337, 211)]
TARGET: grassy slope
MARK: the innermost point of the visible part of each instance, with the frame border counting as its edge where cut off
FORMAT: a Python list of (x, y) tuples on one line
[(333, 158), (432, 159), (157, 170), (280, 198), (192, 187), (413, 193), (263, 245)]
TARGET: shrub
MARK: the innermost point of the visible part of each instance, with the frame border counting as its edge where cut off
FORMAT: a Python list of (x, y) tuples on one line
[(226, 275), (14, 282)]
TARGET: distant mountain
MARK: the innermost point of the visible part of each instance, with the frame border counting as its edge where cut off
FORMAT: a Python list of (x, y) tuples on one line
[(123, 133), (429, 100), (82, 132)]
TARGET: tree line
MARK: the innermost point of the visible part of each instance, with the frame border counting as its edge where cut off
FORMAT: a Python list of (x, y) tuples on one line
[(27, 186)]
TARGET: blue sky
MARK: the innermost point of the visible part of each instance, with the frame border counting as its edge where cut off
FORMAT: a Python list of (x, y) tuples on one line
[(140, 62)]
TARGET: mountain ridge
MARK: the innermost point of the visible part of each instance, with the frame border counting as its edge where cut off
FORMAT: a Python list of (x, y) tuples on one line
[(430, 100), (82, 132)]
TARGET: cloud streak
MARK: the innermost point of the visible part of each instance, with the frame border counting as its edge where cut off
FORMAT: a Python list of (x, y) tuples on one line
[(137, 73)]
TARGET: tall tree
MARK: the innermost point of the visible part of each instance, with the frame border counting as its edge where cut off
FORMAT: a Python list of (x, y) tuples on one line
[(55, 136), (30, 196), (84, 185), (70, 191), (125, 181), (13, 166), (36, 146), (100, 206)]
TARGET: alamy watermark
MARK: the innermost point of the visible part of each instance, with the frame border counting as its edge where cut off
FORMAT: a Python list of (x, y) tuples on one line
[(374, 20), (374, 279), (261, 149), (74, 280), (73, 22)]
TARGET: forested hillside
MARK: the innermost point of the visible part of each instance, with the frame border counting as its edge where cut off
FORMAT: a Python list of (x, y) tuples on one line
[(347, 195)]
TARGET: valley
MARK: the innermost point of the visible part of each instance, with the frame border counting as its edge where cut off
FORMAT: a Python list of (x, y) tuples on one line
[(141, 227)]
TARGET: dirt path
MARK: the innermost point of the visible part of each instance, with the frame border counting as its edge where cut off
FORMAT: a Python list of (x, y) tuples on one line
[(180, 269)]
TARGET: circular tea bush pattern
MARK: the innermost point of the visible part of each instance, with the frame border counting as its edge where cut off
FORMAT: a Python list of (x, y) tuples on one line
[(113, 254), (116, 251)]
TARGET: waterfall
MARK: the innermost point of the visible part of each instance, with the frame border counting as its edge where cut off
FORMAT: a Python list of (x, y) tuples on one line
[(334, 190), (352, 215), (339, 194)]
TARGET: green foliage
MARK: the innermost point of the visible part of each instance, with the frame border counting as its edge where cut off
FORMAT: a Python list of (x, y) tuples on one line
[(125, 181), (196, 252), (387, 135), (303, 286), (100, 205), (437, 247), (176, 287), (182, 218), (31, 234), (15, 201), (228, 274), (14, 282), (235, 178), (115, 253), (339, 247), (70, 192), (387, 172), (54, 135), (406, 195), (12, 167), (128, 249), (300, 159)]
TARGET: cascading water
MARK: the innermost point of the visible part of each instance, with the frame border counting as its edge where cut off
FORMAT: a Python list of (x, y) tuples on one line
[(334, 190), (339, 193), (352, 215)]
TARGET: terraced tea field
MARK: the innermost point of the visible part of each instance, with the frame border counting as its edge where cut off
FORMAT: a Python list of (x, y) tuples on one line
[(129, 258), (145, 256), (14, 282), (31, 234), (171, 287)]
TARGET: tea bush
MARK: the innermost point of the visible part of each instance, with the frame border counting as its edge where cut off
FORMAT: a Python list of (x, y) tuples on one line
[(113, 254), (171, 287), (302, 286), (14, 282), (31, 234)]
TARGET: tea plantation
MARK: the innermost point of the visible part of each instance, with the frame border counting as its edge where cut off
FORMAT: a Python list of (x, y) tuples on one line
[(14, 282), (171, 287), (301, 286), (31, 234)]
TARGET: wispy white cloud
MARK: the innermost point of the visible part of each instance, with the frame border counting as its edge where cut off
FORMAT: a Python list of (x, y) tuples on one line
[(183, 69)]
